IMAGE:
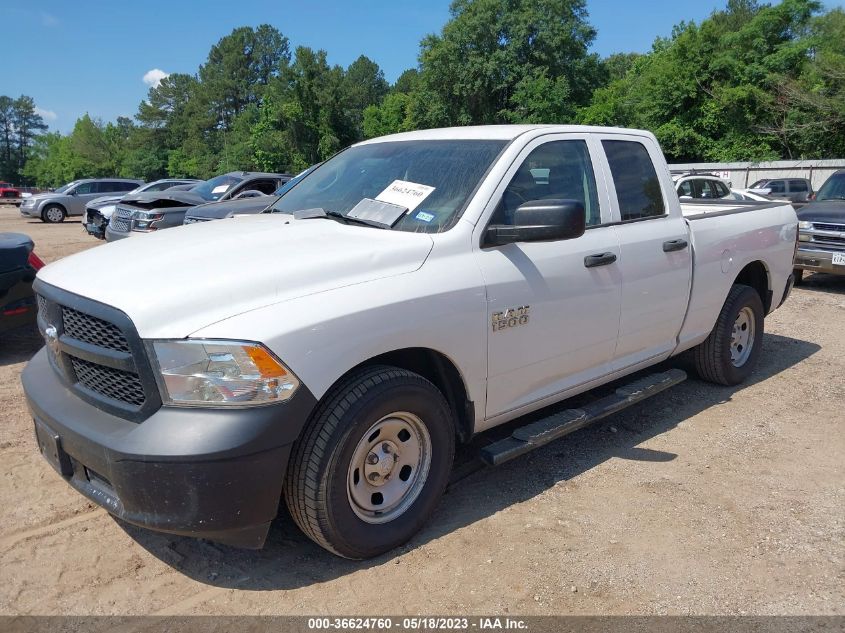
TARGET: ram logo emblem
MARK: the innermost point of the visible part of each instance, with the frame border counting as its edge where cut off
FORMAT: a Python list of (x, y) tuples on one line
[(510, 318)]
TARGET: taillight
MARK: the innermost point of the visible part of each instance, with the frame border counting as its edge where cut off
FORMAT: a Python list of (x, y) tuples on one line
[(34, 261)]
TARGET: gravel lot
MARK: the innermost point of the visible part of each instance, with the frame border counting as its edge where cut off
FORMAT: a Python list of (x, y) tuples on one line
[(705, 500)]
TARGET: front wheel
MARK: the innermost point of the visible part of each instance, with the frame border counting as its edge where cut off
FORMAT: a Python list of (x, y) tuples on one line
[(798, 275), (373, 462), (728, 355), (53, 214)]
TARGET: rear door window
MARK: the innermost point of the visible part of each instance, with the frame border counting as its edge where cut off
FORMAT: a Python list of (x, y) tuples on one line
[(777, 186), (635, 179), (796, 186)]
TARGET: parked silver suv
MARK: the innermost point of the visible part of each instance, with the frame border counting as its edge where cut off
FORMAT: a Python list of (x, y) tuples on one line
[(70, 200), (793, 189)]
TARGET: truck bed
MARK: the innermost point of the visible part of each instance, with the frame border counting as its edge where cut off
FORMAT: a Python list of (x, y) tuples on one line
[(693, 209)]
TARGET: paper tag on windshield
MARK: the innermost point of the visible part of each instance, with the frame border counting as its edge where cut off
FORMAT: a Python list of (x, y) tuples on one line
[(405, 194), (220, 189)]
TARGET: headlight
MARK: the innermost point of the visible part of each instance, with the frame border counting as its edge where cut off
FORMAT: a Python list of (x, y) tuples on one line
[(143, 215), (805, 226), (221, 373), (144, 221)]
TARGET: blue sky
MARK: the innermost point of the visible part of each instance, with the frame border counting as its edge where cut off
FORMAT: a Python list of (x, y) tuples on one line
[(93, 55)]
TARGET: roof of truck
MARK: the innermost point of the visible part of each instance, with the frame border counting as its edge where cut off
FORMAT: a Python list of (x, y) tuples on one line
[(500, 132)]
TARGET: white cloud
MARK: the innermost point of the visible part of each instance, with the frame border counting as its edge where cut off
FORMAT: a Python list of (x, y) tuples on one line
[(153, 77), (47, 115), (48, 19)]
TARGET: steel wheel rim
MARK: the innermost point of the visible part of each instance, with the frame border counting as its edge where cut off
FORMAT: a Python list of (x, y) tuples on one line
[(54, 214), (742, 337), (389, 467)]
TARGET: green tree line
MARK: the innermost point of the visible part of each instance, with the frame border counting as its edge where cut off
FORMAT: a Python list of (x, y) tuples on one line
[(751, 82)]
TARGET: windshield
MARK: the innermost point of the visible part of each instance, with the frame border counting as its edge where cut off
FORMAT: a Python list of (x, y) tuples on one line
[(287, 186), (64, 188), (217, 187), (833, 188), (437, 180)]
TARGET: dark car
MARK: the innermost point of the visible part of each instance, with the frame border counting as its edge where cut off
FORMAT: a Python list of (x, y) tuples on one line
[(18, 266), (153, 211), (243, 205), (821, 230)]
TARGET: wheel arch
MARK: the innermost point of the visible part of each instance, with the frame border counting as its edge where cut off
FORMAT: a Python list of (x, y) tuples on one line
[(437, 368), (756, 275)]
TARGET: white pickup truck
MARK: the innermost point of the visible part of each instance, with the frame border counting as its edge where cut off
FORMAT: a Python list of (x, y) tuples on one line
[(411, 292)]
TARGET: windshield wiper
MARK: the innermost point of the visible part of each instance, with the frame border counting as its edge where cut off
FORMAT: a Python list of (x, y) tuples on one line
[(339, 216), (317, 213)]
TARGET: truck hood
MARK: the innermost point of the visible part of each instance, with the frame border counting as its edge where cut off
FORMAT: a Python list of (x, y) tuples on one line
[(177, 281), (164, 199), (823, 211), (226, 208)]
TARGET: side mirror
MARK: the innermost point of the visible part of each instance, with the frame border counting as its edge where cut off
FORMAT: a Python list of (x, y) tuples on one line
[(540, 221), (73, 193)]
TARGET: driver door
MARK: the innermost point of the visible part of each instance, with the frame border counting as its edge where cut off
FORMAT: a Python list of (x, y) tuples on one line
[(552, 320)]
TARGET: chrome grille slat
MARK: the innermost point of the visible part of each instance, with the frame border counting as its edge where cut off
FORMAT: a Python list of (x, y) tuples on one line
[(121, 219)]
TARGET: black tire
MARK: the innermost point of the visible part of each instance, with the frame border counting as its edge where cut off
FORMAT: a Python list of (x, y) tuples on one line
[(712, 357), (799, 275), (50, 214), (316, 486)]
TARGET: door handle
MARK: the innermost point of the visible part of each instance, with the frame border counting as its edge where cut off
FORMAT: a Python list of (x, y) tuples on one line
[(674, 245), (600, 259)]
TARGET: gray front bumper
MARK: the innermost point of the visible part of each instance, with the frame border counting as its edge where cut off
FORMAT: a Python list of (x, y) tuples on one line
[(817, 260), (208, 473)]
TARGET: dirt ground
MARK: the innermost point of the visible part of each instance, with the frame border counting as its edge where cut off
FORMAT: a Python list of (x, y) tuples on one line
[(704, 500)]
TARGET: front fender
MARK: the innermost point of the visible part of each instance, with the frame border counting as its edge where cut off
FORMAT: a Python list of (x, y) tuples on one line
[(441, 307)]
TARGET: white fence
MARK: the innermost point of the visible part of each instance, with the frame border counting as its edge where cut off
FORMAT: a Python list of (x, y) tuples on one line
[(743, 175)]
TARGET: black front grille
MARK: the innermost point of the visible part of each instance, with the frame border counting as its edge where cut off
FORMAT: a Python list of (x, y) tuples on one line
[(97, 351), (111, 383), (836, 228), (90, 329)]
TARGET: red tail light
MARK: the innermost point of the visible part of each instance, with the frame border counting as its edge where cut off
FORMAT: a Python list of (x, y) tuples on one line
[(34, 261)]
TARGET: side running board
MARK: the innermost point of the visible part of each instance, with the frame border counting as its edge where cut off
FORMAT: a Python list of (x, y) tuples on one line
[(541, 432)]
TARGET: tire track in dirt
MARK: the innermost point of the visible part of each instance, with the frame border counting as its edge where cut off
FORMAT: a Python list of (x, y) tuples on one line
[(15, 538)]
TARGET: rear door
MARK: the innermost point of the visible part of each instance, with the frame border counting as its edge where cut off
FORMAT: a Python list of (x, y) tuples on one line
[(655, 260), (552, 321), (799, 191)]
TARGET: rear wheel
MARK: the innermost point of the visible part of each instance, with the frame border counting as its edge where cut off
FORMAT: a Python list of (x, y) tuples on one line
[(53, 214), (373, 462), (728, 355)]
